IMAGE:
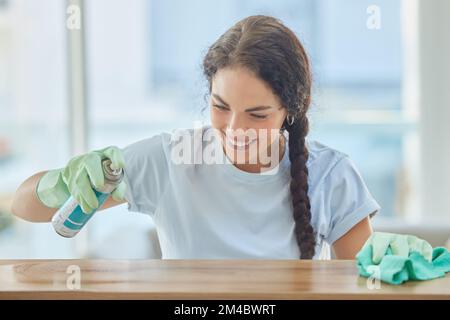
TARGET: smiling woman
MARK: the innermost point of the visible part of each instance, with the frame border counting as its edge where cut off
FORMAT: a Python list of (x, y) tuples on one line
[(260, 62)]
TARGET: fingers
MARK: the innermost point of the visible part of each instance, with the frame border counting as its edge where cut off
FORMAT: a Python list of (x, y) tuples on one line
[(119, 193), (76, 194), (88, 199), (116, 157), (380, 245), (84, 205), (400, 246), (427, 251), (421, 246), (415, 244), (93, 166)]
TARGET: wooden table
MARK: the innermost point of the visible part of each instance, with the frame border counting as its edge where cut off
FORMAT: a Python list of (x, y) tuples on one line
[(201, 279)]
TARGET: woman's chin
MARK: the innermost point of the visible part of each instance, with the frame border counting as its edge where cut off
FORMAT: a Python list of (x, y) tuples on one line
[(241, 156)]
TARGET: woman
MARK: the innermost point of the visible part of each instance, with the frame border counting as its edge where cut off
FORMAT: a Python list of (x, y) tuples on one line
[(302, 199)]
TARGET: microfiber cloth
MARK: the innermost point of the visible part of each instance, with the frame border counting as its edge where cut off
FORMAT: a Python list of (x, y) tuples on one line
[(395, 269)]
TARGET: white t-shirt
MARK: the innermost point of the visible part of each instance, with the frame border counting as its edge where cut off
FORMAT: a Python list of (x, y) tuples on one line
[(217, 211)]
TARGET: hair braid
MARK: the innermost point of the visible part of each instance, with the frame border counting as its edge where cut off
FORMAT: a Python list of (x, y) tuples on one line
[(298, 155)]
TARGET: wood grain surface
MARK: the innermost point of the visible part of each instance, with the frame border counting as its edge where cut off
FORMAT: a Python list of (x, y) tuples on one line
[(202, 279)]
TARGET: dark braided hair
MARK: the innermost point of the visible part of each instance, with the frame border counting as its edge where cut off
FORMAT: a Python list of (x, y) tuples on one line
[(272, 51)]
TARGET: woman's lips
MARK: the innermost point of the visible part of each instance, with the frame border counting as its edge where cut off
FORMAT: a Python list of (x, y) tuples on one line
[(240, 145)]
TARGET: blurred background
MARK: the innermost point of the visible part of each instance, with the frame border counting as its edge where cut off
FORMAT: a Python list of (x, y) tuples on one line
[(81, 75)]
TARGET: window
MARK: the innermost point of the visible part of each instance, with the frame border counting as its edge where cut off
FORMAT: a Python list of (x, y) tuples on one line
[(33, 117)]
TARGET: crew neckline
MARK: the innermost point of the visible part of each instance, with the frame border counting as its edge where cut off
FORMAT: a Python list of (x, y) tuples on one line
[(272, 174)]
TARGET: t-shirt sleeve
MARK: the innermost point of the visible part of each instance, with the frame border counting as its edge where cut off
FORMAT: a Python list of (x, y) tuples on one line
[(145, 174), (347, 199)]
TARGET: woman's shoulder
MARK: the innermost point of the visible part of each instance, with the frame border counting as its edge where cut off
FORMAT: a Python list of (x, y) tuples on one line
[(322, 160), (321, 152)]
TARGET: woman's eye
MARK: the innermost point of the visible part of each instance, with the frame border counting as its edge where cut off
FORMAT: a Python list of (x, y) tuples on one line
[(219, 107), (222, 108), (258, 116)]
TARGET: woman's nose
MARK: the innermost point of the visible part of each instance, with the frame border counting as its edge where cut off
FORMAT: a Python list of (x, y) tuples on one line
[(236, 124), (238, 131)]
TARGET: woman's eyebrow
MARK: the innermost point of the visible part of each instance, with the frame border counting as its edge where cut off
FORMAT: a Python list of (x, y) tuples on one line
[(220, 99), (258, 108)]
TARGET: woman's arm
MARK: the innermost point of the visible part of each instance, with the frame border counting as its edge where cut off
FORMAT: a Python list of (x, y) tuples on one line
[(347, 246), (27, 206)]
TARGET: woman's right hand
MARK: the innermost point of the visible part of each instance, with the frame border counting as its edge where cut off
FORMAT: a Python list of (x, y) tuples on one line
[(78, 178)]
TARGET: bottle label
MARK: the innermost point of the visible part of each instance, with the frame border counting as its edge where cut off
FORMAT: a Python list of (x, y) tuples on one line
[(77, 219)]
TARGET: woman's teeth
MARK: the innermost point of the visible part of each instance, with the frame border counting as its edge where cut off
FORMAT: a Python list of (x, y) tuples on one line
[(239, 144)]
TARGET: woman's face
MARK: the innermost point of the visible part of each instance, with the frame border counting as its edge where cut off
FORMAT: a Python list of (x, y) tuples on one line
[(246, 113)]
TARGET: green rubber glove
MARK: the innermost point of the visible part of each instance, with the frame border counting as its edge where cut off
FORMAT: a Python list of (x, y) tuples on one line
[(399, 244), (78, 178)]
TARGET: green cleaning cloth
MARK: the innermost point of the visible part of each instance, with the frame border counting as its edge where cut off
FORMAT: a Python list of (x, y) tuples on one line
[(395, 266)]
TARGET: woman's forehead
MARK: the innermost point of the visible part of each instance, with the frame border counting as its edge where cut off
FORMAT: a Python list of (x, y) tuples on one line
[(239, 87)]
